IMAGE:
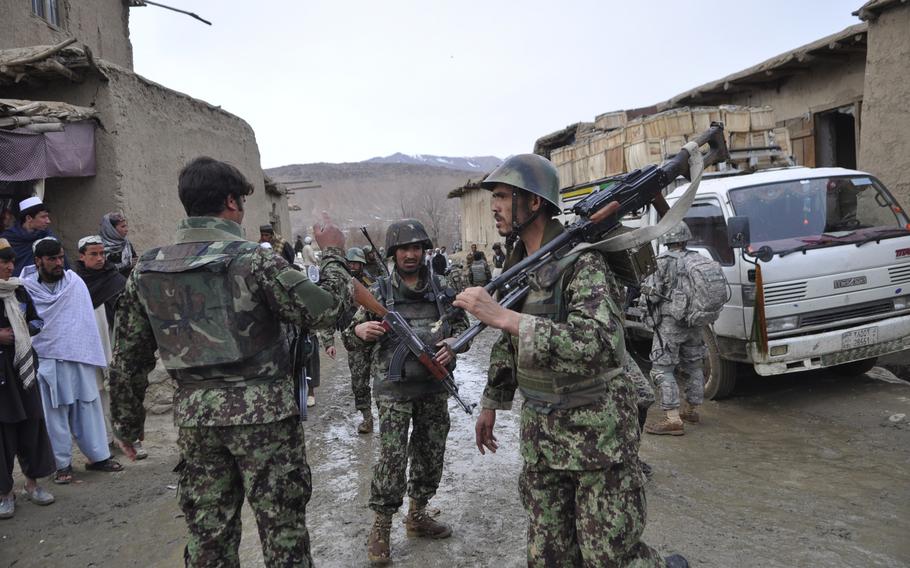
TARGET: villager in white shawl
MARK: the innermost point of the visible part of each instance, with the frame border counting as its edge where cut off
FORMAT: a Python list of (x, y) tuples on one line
[(69, 352)]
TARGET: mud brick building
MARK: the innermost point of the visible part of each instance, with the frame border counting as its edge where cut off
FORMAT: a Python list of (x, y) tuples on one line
[(77, 56)]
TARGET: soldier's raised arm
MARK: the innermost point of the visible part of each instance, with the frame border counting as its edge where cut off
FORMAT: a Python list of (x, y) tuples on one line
[(294, 297)]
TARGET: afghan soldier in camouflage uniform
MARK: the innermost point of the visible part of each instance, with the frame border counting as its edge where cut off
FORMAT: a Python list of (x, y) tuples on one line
[(581, 483), (675, 345), (373, 265), (358, 356), (415, 398), (212, 305)]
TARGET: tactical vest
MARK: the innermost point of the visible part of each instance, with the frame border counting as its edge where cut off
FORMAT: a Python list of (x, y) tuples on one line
[(210, 331), (422, 309), (478, 272), (544, 387)]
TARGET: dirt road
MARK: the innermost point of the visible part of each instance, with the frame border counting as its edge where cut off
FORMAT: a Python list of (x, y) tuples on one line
[(806, 470)]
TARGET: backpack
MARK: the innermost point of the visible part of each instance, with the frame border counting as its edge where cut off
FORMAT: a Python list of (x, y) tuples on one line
[(479, 272), (700, 289)]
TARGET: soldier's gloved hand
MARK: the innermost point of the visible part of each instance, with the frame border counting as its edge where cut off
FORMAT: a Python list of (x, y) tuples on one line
[(445, 356), (369, 331), (328, 234), (483, 431)]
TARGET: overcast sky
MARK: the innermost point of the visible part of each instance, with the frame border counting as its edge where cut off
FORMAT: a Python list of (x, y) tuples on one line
[(340, 81)]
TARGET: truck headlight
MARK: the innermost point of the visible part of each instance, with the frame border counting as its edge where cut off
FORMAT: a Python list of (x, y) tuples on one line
[(782, 324), (748, 291), (901, 303)]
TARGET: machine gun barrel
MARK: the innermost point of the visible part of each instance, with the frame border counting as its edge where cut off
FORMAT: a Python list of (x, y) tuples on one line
[(600, 213)]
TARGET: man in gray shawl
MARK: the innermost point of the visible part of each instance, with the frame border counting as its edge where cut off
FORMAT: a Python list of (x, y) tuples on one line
[(117, 248)]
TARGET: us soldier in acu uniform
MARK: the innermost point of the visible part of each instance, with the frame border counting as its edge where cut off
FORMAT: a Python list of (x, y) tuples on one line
[(212, 305), (414, 398), (581, 483), (675, 346)]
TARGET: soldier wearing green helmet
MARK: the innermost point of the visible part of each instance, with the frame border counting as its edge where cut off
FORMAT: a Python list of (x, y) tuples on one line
[(358, 359), (373, 262), (413, 399), (581, 483)]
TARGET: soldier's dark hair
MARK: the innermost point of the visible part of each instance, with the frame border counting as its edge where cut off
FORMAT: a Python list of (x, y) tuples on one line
[(32, 212), (205, 184), (478, 255)]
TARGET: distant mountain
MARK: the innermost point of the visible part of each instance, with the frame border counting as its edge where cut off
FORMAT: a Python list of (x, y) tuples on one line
[(376, 194), (482, 164)]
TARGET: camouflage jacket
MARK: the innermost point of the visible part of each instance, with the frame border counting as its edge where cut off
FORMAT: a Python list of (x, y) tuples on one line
[(379, 364), (268, 280), (589, 342)]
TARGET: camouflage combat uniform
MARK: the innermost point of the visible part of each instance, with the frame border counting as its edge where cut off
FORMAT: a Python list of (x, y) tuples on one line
[(674, 344), (417, 399), (581, 483), (358, 355), (213, 304)]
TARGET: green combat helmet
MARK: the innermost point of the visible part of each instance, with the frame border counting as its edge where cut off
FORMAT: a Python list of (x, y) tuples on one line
[(406, 232), (529, 172), (678, 234), (355, 254)]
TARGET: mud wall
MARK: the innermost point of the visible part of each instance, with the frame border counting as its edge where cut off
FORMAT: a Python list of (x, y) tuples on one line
[(821, 87), (885, 137), (147, 134), (102, 25)]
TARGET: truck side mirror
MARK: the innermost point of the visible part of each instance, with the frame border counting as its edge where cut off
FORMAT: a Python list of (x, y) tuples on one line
[(738, 232)]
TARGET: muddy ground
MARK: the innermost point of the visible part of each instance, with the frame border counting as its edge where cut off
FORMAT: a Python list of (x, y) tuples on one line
[(806, 470)]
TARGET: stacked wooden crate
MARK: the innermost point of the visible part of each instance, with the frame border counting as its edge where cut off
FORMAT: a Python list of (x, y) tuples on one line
[(618, 144)]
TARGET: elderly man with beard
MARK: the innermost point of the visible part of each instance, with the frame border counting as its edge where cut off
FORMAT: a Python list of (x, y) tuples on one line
[(106, 283), (69, 354)]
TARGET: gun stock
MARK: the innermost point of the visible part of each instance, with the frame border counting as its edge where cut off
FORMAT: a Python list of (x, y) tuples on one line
[(369, 302)]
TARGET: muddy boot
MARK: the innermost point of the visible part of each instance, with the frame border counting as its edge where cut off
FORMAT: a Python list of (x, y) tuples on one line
[(378, 543), (420, 523), (690, 414), (367, 425), (671, 425), (676, 561)]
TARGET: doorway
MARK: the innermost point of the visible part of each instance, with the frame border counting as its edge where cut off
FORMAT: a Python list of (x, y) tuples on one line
[(835, 137)]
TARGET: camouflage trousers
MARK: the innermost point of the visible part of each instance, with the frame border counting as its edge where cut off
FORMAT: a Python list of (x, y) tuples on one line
[(678, 350), (359, 364), (425, 450), (265, 462), (585, 519)]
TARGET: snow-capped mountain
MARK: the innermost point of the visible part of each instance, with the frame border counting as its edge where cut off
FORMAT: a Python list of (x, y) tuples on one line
[(481, 164)]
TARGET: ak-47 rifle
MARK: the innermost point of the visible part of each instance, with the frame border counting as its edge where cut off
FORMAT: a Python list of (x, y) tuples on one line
[(599, 214), (411, 344)]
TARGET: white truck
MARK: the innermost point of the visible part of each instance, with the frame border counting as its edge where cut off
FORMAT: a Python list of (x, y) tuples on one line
[(834, 249)]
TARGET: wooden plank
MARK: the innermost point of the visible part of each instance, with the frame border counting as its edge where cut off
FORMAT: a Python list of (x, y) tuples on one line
[(702, 117), (679, 122), (656, 126), (616, 139), (761, 118), (616, 161), (597, 166), (635, 131), (735, 118), (610, 120)]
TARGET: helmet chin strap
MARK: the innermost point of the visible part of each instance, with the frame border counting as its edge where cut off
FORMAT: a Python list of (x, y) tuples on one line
[(517, 227)]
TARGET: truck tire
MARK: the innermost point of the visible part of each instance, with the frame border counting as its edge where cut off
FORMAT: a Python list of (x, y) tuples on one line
[(855, 368), (720, 374)]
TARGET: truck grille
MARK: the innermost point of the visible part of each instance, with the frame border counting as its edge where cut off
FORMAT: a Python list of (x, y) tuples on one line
[(846, 313), (899, 274), (780, 293)]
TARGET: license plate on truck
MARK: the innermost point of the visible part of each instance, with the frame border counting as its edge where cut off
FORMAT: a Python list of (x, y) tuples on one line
[(859, 338)]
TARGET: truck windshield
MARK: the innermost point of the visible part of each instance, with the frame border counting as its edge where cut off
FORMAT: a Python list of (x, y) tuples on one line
[(808, 213)]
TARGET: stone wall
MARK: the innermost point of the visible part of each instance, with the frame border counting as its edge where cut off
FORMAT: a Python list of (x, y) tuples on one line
[(885, 137), (147, 134), (102, 25)]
